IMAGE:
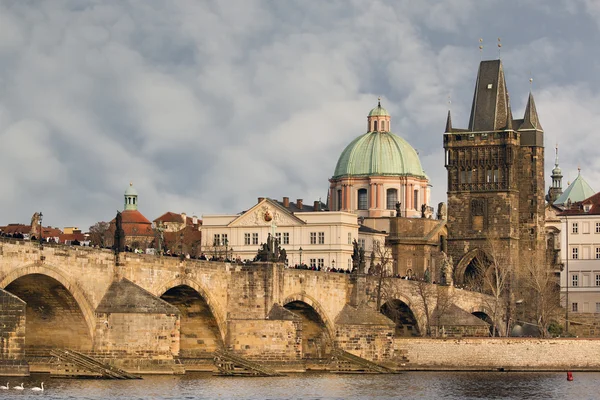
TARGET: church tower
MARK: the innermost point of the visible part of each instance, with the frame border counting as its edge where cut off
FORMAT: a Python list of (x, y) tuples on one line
[(131, 196), (555, 190), (495, 177)]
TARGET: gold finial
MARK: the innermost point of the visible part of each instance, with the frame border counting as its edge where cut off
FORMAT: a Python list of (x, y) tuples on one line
[(499, 47), (130, 183)]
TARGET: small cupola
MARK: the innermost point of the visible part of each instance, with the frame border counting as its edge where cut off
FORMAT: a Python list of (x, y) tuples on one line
[(378, 119), (131, 198)]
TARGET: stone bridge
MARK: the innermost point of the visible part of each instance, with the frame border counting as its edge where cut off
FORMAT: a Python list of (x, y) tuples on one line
[(157, 308)]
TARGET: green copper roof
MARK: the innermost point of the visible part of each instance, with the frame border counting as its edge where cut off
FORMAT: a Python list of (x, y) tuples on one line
[(579, 190), (378, 112), (378, 153), (131, 191)]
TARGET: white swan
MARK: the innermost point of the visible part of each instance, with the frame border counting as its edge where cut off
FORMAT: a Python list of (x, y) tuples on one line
[(19, 387), (38, 389), (5, 387)]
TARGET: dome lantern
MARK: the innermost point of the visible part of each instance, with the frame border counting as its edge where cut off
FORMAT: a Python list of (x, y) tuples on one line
[(378, 119), (131, 195)]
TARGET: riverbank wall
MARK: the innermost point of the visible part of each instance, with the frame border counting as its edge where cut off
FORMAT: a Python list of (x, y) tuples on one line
[(500, 354)]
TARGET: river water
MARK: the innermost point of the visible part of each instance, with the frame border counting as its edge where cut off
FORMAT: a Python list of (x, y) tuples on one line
[(409, 385)]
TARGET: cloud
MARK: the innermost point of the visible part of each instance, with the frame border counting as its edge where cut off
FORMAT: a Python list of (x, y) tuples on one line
[(207, 105)]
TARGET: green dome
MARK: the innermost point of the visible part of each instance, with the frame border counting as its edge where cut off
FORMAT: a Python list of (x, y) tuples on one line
[(378, 112), (379, 153)]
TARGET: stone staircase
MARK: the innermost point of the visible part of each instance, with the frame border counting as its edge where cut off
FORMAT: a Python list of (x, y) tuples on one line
[(75, 364), (343, 362), (229, 364)]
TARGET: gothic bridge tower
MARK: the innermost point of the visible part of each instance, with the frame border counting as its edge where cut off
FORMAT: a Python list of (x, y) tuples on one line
[(495, 178)]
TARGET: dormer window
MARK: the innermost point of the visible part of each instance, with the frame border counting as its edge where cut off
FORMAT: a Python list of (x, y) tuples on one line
[(586, 208)]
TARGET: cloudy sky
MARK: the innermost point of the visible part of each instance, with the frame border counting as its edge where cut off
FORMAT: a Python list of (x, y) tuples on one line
[(207, 105)]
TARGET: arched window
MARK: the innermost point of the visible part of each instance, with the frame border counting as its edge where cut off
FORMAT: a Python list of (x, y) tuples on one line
[(416, 199), (391, 199), (339, 199), (363, 203), (374, 126)]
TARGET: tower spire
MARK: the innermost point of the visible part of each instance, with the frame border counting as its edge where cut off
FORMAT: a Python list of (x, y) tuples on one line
[(449, 123), (531, 119), (491, 106)]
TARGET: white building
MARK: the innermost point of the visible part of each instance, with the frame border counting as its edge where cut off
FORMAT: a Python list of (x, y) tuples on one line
[(308, 235), (580, 254)]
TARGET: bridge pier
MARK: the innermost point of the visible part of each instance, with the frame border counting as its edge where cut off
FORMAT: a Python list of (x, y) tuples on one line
[(12, 336)]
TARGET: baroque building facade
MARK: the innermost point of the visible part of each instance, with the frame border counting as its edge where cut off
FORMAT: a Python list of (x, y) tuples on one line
[(495, 172)]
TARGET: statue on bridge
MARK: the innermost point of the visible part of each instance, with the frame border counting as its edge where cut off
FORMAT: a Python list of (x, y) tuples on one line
[(271, 251), (358, 258), (446, 270), (119, 242)]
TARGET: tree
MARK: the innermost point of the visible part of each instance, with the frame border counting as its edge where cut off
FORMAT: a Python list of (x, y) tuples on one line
[(538, 279), (493, 270), (99, 233), (381, 270)]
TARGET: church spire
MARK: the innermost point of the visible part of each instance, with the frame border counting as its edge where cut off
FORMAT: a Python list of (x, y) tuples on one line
[(491, 106), (131, 195), (531, 119), (449, 123), (556, 189)]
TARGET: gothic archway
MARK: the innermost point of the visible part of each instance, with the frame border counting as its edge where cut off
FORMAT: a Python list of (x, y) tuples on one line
[(470, 270)]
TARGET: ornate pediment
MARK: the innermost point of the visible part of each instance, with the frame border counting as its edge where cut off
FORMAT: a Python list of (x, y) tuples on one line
[(265, 214)]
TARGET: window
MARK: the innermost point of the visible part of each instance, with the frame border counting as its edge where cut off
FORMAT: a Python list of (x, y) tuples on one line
[(320, 263), (463, 176), (488, 176), (597, 227), (575, 253), (575, 228), (391, 199), (574, 307), (363, 203), (349, 237), (313, 262), (224, 240), (375, 126), (416, 199), (255, 238), (278, 237), (217, 239), (575, 280), (339, 200), (383, 126), (597, 279), (321, 237), (246, 239), (597, 253), (313, 238), (361, 243), (495, 175), (598, 307), (286, 238)]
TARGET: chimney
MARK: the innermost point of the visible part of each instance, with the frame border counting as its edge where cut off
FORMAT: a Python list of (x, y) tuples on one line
[(260, 199), (317, 205), (195, 220), (183, 217), (286, 202), (299, 204)]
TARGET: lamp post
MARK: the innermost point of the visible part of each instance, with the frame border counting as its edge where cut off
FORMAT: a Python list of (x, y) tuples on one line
[(181, 245), (226, 243), (41, 231), (567, 277), (300, 255)]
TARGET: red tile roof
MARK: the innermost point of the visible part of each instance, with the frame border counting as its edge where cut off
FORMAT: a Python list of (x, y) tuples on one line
[(578, 207), (134, 224), (176, 218)]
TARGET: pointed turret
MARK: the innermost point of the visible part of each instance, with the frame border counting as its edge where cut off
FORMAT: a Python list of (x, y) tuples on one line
[(491, 106), (449, 123), (531, 119)]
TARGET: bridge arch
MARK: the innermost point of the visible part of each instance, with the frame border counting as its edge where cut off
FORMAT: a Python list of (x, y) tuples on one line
[(214, 307), (487, 314), (317, 338), (393, 309), (56, 274)]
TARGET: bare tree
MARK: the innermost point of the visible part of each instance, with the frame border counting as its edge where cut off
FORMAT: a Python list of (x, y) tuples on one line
[(539, 281), (493, 269), (99, 232), (382, 270)]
